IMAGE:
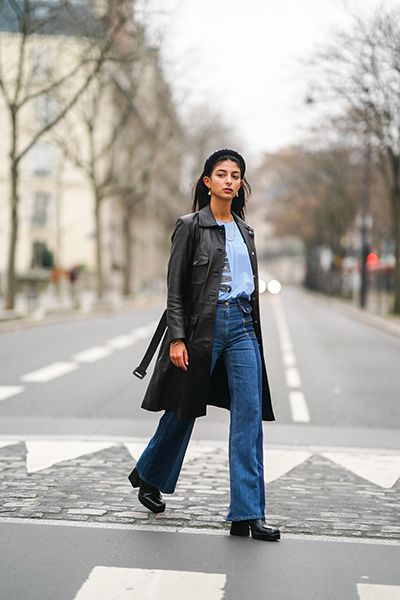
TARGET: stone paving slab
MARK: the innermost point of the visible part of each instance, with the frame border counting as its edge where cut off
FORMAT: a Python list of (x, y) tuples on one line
[(316, 496)]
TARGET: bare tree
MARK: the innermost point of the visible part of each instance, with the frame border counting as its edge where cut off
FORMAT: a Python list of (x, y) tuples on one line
[(361, 69), (26, 81)]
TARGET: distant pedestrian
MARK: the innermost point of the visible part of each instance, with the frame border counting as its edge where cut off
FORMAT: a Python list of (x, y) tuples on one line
[(212, 352)]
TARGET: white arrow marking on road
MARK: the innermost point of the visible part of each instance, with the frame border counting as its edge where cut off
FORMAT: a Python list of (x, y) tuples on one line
[(43, 454), (50, 372), (92, 354), (280, 462), (298, 406), (380, 469), (118, 583), (6, 391), (372, 591)]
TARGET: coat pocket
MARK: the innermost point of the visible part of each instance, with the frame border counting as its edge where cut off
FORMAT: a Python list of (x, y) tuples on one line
[(199, 268)]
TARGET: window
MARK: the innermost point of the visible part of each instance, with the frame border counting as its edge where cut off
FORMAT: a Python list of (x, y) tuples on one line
[(40, 208)]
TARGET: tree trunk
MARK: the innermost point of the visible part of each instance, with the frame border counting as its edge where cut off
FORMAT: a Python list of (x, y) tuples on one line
[(99, 253), (395, 208), (396, 237), (11, 280), (127, 238)]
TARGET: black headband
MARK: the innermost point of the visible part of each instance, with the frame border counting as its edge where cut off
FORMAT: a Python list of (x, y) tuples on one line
[(215, 156)]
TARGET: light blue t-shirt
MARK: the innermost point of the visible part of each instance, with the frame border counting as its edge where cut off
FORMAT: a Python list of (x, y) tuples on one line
[(237, 275)]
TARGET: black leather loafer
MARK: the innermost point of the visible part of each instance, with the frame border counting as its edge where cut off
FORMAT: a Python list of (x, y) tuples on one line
[(148, 495), (259, 530)]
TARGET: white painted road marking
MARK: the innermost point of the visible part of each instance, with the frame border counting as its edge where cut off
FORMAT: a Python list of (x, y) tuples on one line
[(119, 583), (292, 377), (279, 462), (372, 591), (50, 372), (6, 391), (89, 355), (43, 454), (5, 443), (121, 341), (297, 400), (92, 354), (298, 406), (381, 469)]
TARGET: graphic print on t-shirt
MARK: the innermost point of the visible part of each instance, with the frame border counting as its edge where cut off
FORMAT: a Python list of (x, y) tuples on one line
[(226, 279)]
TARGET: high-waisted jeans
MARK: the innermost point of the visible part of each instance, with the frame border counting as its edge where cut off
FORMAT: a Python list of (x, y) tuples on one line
[(161, 461)]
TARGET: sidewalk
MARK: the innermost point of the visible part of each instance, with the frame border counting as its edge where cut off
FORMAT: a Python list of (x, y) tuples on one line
[(11, 320), (350, 492)]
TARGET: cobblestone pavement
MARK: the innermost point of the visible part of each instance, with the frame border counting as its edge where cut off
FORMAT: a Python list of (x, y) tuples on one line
[(325, 491)]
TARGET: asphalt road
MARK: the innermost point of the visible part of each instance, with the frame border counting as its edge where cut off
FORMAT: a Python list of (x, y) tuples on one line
[(335, 384)]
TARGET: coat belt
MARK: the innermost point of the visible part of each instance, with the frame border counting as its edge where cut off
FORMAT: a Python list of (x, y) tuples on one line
[(140, 371)]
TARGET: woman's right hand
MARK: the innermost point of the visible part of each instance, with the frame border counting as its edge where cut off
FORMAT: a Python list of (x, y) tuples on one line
[(179, 355)]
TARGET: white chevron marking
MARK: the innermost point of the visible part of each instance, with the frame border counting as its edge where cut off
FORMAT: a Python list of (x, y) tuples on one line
[(279, 462), (43, 454), (380, 469)]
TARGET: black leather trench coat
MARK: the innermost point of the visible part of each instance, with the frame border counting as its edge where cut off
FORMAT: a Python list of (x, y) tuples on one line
[(193, 277)]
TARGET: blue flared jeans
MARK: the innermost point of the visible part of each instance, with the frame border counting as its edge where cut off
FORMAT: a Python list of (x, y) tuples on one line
[(161, 461)]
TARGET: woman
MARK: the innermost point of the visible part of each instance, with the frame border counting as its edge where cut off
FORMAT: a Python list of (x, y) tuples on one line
[(211, 353)]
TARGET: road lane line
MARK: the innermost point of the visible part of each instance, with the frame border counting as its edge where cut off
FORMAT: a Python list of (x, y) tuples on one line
[(373, 591), (125, 583), (92, 354), (6, 391), (50, 372), (297, 400), (298, 406), (292, 377), (121, 341)]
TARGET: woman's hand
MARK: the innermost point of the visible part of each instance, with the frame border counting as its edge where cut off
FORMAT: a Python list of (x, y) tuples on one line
[(179, 355)]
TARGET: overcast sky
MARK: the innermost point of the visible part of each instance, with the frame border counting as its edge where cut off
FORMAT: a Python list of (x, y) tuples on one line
[(243, 58)]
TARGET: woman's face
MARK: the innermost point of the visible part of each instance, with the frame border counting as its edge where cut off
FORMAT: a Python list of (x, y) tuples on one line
[(224, 181)]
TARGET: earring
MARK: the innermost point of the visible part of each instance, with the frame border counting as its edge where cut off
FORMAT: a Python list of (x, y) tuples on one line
[(209, 191), (237, 195)]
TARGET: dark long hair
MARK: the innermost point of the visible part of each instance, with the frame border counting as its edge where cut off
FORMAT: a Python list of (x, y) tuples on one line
[(200, 191)]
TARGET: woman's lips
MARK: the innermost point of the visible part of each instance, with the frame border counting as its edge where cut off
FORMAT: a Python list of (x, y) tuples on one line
[(227, 189)]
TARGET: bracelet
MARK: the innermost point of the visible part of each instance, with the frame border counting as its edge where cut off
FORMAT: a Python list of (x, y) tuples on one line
[(175, 342)]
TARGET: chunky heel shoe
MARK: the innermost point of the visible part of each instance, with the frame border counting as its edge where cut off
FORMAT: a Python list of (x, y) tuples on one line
[(149, 495), (241, 528), (134, 478), (259, 530)]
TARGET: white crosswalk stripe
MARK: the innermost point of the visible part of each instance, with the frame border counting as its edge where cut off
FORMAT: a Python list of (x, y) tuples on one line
[(121, 583), (372, 591)]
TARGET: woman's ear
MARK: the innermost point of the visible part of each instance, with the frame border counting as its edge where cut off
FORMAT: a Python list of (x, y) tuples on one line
[(206, 181)]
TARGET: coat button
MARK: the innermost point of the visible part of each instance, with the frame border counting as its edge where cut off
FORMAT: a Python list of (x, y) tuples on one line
[(252, 253)]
